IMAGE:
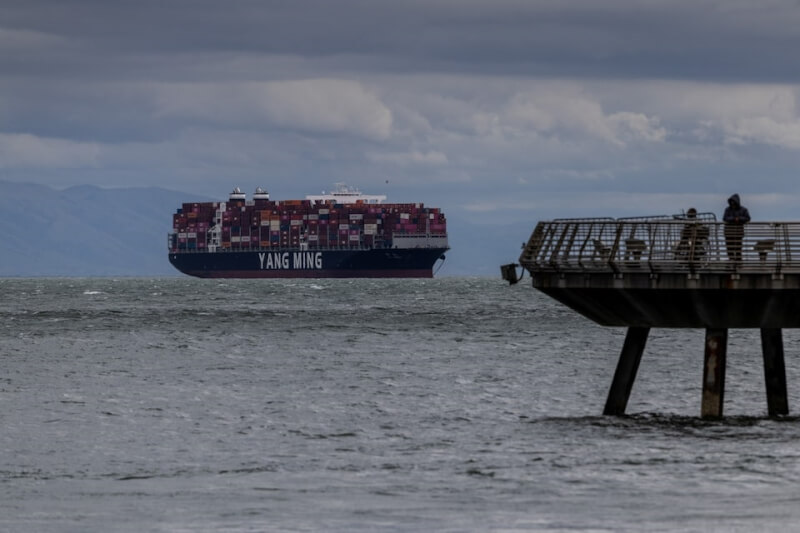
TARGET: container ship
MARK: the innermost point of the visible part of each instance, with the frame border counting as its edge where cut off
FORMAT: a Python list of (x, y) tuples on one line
[(343, 234)]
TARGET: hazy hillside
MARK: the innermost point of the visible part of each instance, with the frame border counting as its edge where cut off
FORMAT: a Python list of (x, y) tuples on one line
[(85, 231), (89, 231)]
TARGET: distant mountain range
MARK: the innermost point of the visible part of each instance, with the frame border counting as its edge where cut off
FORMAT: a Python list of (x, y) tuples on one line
[(87, 231)]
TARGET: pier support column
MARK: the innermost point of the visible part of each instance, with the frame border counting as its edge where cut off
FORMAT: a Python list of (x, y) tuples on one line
[(714, 372), (774, 371), (628, 365)]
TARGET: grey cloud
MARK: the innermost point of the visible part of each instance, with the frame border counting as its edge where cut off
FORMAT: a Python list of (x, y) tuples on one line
[(314, 105), (680, 39)]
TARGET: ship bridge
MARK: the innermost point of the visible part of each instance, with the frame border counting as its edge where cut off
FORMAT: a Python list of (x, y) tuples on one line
[(344, 194), (679, 272)]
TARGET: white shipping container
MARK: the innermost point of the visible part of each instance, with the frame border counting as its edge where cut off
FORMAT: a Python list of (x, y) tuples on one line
[(276, 224), (370, 231), (354, 237), (324, 211), (344, 226), (313, 237), (236, 239), (192, 235), (296, 222), (357, 216), (373, 227), (405, 215), (181, 235), (313, 217)]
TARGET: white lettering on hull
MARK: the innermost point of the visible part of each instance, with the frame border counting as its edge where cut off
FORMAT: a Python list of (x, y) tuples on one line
[(290, 261)]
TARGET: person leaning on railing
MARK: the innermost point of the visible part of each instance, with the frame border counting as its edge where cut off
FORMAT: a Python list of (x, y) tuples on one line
[(735, 217), (694, 237)]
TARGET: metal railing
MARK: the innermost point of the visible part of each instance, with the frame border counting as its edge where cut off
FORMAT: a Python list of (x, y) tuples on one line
[(662, 244)]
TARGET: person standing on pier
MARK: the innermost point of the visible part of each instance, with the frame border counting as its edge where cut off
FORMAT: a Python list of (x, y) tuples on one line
[(735, 217), (694, 238)]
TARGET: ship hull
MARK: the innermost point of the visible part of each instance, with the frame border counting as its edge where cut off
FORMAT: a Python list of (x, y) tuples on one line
[(294, 263)]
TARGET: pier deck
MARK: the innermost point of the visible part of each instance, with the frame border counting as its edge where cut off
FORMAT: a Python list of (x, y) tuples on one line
[(675, 272)]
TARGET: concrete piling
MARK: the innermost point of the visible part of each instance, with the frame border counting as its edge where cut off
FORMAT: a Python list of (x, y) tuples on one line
[(714, 364), (774, 371), (625, 375)]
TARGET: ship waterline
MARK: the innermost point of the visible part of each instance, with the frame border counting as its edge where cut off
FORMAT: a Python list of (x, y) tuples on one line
[(366, 263)]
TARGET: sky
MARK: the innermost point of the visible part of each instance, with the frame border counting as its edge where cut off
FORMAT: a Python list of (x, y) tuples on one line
[(498, 111)]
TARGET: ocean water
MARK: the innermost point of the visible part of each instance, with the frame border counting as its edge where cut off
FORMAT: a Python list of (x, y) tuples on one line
[(452, 404)]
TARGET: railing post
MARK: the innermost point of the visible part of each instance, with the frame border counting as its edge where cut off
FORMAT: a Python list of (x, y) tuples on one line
[(612, 257)]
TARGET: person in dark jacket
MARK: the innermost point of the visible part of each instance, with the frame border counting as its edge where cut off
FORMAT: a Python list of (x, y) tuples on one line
[(735, 217)]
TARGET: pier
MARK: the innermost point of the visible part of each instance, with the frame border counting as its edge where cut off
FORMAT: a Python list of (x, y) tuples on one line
[(674, 272)]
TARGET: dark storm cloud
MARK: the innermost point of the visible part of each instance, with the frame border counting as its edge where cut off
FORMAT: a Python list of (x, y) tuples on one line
[(708, 40)]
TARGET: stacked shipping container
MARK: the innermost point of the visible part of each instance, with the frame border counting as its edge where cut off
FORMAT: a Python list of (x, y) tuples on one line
[(299, 224)]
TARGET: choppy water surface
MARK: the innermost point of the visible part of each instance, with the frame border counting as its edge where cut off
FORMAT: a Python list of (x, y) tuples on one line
[(368, 405)]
